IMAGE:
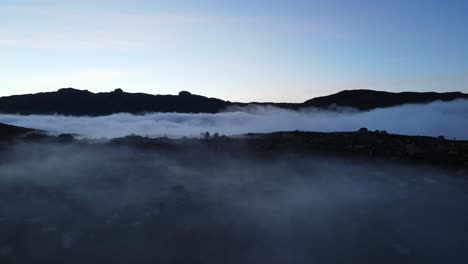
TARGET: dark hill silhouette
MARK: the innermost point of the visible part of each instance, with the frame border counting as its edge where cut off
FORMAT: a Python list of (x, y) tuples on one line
[(8, 131), (69, 101), (369, 99)]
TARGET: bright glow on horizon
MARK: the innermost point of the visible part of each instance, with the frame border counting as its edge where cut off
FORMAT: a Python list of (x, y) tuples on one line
[(287, 51)]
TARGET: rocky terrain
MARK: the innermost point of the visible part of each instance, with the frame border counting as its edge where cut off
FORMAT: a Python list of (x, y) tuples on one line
[(69, 101), (362, 143), (285, 197)]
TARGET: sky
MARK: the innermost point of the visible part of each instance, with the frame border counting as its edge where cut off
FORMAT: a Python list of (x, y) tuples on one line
[(239, 50)]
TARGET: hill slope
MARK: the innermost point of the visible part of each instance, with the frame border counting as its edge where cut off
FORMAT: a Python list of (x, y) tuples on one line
[(369, 99), (8, 131), (69, 101)]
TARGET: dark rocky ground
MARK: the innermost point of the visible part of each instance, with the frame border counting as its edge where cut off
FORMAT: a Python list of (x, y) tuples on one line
[(287, 197), (363, 143)]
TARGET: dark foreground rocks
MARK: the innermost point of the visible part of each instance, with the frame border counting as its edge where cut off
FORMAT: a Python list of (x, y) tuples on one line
[(363, 143), (287, 197), (374, 144)]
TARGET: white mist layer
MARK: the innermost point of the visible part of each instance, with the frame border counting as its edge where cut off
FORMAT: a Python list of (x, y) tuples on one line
[(71, 201), (449, 119)]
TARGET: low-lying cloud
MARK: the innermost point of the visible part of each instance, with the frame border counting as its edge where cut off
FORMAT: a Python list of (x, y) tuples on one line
[(68, 203), (435, 119)]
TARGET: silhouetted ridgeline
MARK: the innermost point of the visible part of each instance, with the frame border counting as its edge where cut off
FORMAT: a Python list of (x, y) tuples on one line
[(69, 101), (368, 99)]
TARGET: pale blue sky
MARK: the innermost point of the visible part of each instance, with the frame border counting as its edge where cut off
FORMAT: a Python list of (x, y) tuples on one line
[(242, 50)]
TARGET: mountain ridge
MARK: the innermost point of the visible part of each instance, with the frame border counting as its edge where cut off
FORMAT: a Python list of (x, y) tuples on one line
[(380, 99), (71, 101)]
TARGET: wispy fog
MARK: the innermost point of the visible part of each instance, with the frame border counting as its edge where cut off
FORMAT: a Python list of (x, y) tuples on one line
[(440, 118), (70, 202)]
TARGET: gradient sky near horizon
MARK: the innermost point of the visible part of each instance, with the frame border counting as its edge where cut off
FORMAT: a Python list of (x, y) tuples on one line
[(239, 50)]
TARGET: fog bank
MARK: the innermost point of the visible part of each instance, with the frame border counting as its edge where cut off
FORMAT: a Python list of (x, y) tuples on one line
[(439, 118), (71, 202)]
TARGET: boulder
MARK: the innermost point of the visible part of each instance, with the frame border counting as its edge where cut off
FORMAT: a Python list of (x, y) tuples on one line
[(363, 130)]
